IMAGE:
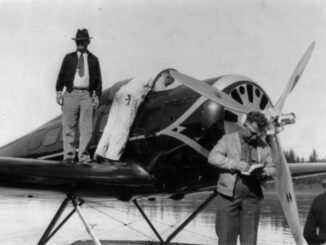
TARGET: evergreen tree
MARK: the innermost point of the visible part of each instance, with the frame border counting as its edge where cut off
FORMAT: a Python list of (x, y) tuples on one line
[(290, 156), (313, 156)]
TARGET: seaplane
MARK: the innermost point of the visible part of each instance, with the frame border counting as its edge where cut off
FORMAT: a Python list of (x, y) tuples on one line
[(166, 154)]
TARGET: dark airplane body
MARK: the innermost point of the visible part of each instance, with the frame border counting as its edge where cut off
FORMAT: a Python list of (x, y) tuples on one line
[(166, 153)]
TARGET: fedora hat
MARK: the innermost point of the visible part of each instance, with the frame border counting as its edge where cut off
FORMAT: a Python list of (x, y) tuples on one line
[(82, 34)]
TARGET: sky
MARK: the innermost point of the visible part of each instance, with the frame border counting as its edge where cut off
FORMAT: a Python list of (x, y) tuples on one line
[(261, 39)]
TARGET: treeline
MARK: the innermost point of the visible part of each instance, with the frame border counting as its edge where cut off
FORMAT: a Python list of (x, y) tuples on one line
[(305, 185), (292, 157)]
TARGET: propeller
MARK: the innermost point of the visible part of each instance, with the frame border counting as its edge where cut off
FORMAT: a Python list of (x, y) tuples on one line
[(210, 92), (283, 178), (285, 190), (293, 80)]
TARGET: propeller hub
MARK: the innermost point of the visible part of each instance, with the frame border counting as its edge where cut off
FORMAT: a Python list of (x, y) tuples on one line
[(285, 119), (277, 123)]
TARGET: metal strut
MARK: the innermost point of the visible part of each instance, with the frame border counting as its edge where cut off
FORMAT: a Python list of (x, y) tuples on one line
[(77, 203), (46, 235), (88, 228), (181, 226), (147, 220)]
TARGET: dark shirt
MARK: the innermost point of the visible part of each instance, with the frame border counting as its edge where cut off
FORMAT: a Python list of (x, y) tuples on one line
[(68, 71), (249, 154), (315, 227)]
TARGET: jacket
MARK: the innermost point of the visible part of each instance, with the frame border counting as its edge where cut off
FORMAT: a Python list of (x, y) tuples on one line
[(315, 227), (226, 155), (68, 70)]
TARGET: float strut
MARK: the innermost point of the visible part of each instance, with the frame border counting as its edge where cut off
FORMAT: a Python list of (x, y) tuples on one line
[(191, 217), (180, 228), (88, 228), (147, 220), (46, 235)]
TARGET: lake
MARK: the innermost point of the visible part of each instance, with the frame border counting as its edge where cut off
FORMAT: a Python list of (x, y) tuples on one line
[(23, 220)]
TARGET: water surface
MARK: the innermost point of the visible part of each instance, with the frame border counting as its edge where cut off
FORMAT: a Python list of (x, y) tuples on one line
[(23, 220)]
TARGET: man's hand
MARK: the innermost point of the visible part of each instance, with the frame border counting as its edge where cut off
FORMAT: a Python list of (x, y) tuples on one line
[(59, 98), (262, 176), (242, 166), (96, 101)]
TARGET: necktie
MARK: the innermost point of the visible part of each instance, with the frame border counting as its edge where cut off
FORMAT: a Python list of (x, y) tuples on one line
[(80, 65)]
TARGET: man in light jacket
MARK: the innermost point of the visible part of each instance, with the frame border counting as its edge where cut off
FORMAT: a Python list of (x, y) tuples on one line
[(240, 193)]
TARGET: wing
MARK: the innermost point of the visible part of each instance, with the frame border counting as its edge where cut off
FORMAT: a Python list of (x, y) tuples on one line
[(304, 170)]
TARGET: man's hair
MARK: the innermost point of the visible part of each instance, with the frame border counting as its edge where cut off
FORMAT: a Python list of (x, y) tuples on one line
[(259, 118)]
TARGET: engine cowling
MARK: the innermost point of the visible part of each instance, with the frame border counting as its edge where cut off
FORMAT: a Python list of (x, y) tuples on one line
[(242, 89)]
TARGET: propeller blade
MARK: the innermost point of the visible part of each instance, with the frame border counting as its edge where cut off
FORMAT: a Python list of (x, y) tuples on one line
[(285, 190), (293, 79), (210, 92)]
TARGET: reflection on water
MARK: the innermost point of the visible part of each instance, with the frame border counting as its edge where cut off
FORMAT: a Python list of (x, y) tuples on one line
[(24, 219)]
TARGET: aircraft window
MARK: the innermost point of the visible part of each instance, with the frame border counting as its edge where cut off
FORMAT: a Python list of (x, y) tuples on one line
[(35, 140), (51, 136)]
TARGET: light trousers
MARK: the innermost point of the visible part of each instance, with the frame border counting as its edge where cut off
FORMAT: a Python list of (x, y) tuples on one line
[(116, 131), (77, 111)]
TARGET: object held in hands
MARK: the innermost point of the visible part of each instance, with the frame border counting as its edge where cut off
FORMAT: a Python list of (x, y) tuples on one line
[(254, 169)]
